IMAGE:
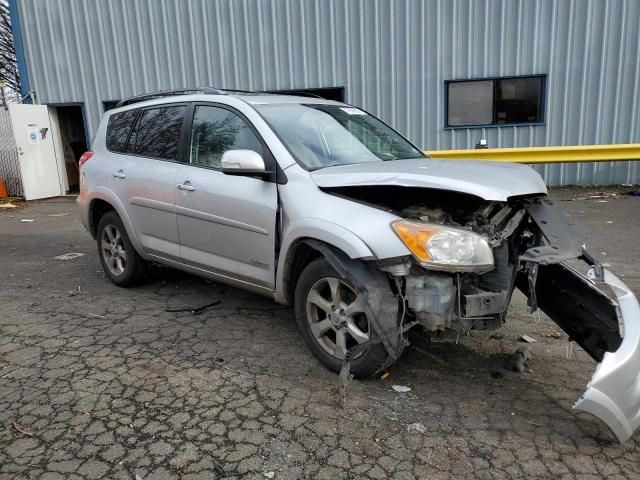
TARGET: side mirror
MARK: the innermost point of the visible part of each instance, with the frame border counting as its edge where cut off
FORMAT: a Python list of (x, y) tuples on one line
[(242, 162)]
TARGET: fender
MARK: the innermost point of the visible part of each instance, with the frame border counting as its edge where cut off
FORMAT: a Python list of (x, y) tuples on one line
[(105, 194), (318, 229)]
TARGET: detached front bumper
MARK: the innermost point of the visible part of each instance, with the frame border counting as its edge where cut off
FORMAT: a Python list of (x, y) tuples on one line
[(613, 394), (608, 329)]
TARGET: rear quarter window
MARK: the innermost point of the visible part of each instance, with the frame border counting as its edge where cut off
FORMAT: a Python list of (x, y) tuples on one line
[(118, 129)]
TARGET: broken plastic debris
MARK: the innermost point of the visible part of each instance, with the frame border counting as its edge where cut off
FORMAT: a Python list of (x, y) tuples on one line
[(401, 388), (73, 293), (551, 334), (27, 220), (269, 474), (569, 350), (417, 427), (345, 379), (69, 256), (526, 338), (519, 361)]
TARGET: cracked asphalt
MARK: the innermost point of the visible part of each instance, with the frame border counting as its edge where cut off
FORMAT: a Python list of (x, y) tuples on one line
[(98, 382)]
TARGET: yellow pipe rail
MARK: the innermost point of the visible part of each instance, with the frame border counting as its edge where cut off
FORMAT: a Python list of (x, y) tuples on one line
[(579, 153)]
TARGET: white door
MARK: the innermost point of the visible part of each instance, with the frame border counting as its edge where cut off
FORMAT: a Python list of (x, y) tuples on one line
[(36, 154)]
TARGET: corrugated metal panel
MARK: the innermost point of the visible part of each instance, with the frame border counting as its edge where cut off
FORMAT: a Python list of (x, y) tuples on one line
[(392, 57), (9, 168)]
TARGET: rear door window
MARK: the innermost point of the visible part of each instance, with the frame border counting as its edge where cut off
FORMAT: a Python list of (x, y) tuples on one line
[(157, 132), (118, 129)]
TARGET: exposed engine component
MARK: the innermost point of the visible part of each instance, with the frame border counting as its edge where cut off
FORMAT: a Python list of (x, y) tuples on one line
[(426, 214), (470, 300), (479, 303), (396, 267), (432, 297)]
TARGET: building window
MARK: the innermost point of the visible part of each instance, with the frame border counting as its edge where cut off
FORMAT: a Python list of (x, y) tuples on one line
[(331, 93), (496, 101)]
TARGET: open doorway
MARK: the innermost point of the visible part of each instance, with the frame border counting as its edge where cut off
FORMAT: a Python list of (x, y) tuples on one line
[(328, 93), (69, 120)]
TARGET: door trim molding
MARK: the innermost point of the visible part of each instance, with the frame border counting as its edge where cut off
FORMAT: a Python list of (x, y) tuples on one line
[(208, 217), (154, 204)]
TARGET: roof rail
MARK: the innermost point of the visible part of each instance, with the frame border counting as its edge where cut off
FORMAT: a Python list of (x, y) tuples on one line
[(207, 91), (180, 91)]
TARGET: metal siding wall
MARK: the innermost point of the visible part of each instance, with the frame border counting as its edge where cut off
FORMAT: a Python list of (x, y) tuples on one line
[(392, 56), (9, 166)]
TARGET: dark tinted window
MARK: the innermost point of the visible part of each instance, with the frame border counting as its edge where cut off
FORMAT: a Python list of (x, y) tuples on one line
[(495, 101), (118, 129), (109, 104), (331, 93), (216, 130), (157, 132), (518, 100)]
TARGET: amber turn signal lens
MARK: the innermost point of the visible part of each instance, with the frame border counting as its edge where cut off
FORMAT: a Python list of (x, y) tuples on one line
[(415, 237)]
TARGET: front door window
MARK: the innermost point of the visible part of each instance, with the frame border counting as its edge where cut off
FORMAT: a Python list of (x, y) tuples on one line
[(216, 130)]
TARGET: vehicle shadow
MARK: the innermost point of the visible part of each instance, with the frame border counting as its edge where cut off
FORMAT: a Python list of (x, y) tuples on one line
[(464, 384)]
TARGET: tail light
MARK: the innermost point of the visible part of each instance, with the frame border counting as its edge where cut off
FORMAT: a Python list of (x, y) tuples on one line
[(85, 158)]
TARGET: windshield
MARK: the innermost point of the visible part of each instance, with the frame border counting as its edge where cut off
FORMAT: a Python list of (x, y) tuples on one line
[(321, 136)]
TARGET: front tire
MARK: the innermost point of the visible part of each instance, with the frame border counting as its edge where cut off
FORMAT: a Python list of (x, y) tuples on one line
[(331, 317), (120, 261)]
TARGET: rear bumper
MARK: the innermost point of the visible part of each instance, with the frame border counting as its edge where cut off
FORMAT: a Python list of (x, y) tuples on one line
[(82, 202), (613, 394)]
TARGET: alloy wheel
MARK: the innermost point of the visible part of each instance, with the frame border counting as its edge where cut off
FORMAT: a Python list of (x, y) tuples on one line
[(336, 315), (113, 250)]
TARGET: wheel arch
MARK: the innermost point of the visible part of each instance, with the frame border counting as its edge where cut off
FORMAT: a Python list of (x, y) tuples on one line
[(97, 208), (299, 255), (305, 232), (101, 204), (299, 250)]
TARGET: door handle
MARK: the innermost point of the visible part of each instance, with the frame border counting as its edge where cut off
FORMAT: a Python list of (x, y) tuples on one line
[(186, 186), (119, 174)]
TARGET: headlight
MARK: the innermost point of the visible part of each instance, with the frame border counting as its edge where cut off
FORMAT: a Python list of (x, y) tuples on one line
[(445, 248)]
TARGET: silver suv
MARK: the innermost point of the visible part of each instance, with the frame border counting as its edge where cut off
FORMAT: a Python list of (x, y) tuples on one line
[(321, 206)]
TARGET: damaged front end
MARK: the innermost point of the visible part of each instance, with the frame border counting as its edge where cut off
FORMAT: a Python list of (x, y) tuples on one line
[(535, 248)]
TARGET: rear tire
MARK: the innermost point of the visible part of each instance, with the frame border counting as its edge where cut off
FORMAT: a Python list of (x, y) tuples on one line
[(120, 261), (330, 316)]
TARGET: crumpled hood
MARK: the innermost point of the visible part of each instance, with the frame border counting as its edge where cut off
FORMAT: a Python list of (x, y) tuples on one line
[(487, 180)]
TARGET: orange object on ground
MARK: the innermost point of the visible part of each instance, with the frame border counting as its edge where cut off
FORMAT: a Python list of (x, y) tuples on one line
[(3, 189)]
